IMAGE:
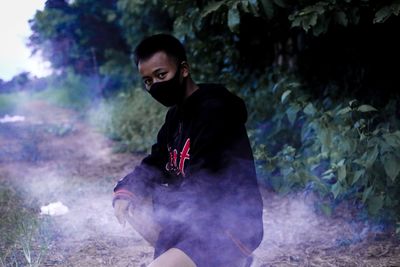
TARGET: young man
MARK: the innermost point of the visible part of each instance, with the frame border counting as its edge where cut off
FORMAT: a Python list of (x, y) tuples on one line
[(195, 197)]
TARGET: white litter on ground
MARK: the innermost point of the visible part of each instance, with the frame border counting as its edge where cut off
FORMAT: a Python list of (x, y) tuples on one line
[(54, 209), (8, 118)]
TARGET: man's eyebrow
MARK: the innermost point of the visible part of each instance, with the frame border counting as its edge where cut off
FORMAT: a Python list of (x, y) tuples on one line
[(154, 71), (158, 69)]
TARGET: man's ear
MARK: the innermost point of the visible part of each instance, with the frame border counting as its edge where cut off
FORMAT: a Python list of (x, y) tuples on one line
[(185, 68)]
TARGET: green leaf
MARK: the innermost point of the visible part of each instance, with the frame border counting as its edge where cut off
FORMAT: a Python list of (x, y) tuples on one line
[(321, 26), (355, 15), (328, 176), (385, 148), (391, 164), (396, 8), (111, 16), (357, 176), (268, 8), (328, 172), (296, 22), (233, 19), (389, 202), (392, 140), (325, 136), (375, 204), (366, 194), (341, 162), (281, 3), (336, 189), (253, 2), (341, 18), (371, 156), (253, 6), (353, 103), (309, 21), (343, 111), (366, 108), (291, 113), (306, 11), (347, 145), (320, 7), (342, 173), (397, 133), (212, 7), (382, 14), (285, 95), (310, 109)]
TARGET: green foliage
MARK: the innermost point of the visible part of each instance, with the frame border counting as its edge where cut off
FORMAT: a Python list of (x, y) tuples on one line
[(343, 152), (7, 103), (51, 37), (141, 18), (386, 11), (131, 117), (322, 14), (77, 34), (231, 10), (118, 72), (10, 103), (70, 90), (317, 16)]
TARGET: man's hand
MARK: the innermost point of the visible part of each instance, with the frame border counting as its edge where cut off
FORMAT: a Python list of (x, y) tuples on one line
[(121, 207)]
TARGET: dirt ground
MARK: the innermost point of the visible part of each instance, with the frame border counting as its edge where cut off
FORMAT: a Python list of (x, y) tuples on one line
[(54, 156)]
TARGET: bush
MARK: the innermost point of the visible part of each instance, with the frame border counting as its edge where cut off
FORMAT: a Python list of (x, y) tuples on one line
[(70, 90), (343, 150), (133, 118), (11, 102)]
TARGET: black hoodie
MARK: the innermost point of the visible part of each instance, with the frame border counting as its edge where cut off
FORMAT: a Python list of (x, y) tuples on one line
[(201, 170)]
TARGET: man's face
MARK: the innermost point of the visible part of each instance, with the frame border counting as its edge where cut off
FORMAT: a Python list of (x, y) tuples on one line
[(158, 68)]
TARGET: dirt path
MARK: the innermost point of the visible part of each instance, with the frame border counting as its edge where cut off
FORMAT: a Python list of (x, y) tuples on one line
[(54, 156)]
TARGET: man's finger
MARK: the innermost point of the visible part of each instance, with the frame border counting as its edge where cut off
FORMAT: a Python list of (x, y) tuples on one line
[(121, 220), (121, 214), (120, 211)]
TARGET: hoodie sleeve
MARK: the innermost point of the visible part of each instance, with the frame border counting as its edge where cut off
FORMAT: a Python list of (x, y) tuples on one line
[(141, 180)]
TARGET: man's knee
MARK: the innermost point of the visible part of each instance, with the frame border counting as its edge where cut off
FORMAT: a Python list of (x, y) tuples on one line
[(141, 218), (173, 258)]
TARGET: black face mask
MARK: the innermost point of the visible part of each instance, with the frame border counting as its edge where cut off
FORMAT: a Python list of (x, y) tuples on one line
[(170, 92)]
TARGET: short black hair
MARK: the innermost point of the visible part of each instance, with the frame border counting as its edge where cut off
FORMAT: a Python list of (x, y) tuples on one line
[(160, 42)]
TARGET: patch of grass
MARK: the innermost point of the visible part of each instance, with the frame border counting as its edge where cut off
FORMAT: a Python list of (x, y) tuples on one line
[(63, 97), (60, 130), (22, 237), (9, 102), (69, 91)]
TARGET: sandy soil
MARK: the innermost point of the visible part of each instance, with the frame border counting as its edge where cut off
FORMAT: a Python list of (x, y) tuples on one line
[(54, 156)]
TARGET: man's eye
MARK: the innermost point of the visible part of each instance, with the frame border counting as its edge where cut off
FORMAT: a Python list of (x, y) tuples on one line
[(147, 82), (161, 75)]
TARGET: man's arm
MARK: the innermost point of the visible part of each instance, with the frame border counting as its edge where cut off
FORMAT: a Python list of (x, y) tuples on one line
[(137, 186), (141, 180)]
